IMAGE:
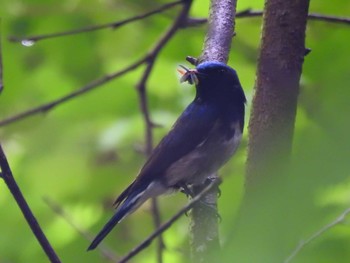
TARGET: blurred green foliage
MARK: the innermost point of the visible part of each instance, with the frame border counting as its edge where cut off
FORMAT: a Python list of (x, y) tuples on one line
[(84, 152)]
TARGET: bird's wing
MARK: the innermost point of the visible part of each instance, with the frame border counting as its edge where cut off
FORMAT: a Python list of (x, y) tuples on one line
[(191, 129)]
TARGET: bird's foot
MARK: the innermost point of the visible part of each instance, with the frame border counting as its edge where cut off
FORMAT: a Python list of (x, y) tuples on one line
[(217, 181), (187, 190)]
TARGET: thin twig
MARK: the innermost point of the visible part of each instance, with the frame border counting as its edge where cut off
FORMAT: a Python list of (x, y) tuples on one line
[(257, 13), (26, 211), (317, 234), (157, 223), (141, 87), (107, 253), (89, 87), (112, 25), (168, 224), (1, 68), (331, 19)]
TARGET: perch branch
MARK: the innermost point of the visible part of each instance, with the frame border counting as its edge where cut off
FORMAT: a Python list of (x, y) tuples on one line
[(217, 45), (168, 224)]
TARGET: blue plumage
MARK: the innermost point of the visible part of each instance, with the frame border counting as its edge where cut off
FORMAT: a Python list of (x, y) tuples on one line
[(203, 138)]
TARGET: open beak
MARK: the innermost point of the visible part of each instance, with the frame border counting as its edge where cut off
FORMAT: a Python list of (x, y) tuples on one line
[(189, 75)]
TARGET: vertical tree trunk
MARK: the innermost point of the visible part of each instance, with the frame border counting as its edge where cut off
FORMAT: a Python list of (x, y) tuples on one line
[(261, 231), (271, 123), (217, 45)]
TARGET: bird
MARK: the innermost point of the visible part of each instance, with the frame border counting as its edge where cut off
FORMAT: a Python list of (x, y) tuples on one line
[(203, 139)]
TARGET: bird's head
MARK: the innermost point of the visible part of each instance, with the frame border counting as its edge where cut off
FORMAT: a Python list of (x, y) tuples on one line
[(213, 80)]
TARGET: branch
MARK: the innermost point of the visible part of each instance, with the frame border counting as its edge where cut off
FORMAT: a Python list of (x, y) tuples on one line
[(1, 66), (257, 13), (218, 40), (107, 253), (168, 224), (157, 223), (113, 25), (6, 175), (23, 205), (192, 21), (94, 84), (217, 45), (331, 19), (141, 87), (89, 87), (327, 227)]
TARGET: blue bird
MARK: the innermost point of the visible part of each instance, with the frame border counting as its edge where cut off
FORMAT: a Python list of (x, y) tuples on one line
[(203, 138)]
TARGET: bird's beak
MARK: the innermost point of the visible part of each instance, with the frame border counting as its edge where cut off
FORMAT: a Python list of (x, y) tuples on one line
[(189, 75)]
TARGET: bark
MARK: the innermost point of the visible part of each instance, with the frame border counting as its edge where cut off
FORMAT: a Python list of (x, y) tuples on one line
[(274, 106), (204, 219), (261, 231)]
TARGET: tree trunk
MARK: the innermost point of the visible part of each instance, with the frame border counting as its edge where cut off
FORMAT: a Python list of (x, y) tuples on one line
[(261, 230), (204, 221)]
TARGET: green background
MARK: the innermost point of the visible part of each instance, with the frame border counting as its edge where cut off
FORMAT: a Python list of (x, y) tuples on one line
[(83, 153)]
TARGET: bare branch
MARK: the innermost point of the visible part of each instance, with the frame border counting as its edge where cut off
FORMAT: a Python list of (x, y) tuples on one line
[(6, 175), (89, 87), (107, 253), (113, 25), (168, 224), (1, 66), (317, 234), (192, 21), (26, 211), (146, 59), (218, 40), (331, 19), (141, 87), (257, 13), (157, 223), (217, 45)]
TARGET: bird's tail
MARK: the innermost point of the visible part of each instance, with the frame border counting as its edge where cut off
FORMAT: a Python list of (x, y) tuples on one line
[(128, 206), (107, 228), (129, 201)]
